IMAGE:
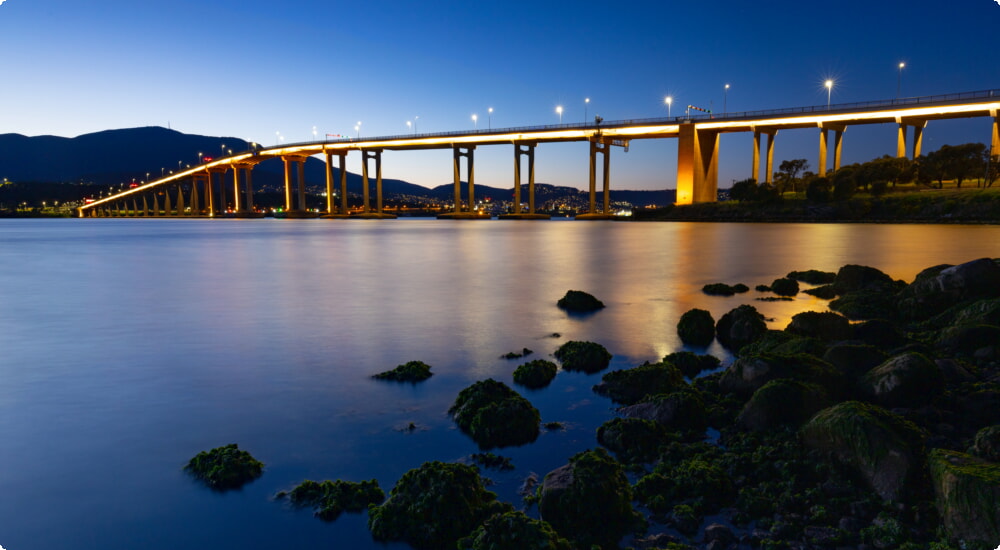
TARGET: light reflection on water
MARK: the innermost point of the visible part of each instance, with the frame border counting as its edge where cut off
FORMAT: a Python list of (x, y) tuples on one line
[(130, 345)]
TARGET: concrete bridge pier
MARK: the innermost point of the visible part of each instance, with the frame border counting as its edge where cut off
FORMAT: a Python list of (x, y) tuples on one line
[(697, 165), (376, 155), (206, 183), (195, 203), (180, 201), (769, 156), (524, 149), (300, 210), (244, 208), (824, 135), (145, 206), (599, 146), (995, 140), (918, 125), (331, 207), (458, 152)]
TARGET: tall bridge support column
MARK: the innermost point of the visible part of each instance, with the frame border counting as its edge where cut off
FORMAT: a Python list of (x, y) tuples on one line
[(599, 146), (248, 182), (167, 206), (918, 125), (302, 183), (145, 206), (209, 195), (470, 163), (331, 202), (156, 204), (195, 202), (180, 200), (135, 207), (237, 204), (524, 149), (288, 183), (376, 155), (824, 138), (697, 165), (995, 139), (769, 156)]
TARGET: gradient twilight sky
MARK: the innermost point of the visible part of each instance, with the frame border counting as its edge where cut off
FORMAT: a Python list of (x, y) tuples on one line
[(254, 69)]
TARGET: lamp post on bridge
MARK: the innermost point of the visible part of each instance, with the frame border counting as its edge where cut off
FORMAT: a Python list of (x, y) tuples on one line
[(669, 100), (314, 133), (899, 79), (559, 110), (475, 121), (586, 103), (409, 126), (725, 98), (829, 89), (490, 121), (357, 128)]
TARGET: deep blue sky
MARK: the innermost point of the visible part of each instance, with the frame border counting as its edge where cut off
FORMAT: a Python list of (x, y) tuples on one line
[(254, 69)]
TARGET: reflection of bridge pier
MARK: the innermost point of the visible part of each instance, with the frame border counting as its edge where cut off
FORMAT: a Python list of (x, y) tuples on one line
[(467, 152), (526, 149)]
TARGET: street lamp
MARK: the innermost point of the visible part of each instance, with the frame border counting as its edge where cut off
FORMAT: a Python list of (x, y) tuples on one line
[(490, 121), (475, 120), (314, 133), (199, 157), (409, 125), (725, 97), (559, 110), (669, 100), (357, 128), (829, 88), (899, 80), (586, 103)]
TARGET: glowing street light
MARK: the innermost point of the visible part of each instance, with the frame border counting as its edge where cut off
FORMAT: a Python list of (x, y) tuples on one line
[(586, 103), (829, 88), (899, 80), (475, 120), (559, 110), (314, 133), (409, 125), (725, 97), (357, 128), (669, 100), (490, 121), (199, 157)]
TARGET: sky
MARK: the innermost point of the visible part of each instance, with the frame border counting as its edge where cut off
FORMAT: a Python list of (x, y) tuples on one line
[(270, 72)]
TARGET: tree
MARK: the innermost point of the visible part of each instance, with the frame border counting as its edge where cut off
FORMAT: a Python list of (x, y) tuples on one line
[(789, 170), (844, 182), (819, 190), (992, 169), (744, 191)]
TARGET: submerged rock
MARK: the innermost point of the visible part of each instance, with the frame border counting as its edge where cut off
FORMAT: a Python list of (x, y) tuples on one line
[(580, 302), (691, 364), (588, 357), (331, 498), (225, 467), (413, 371), (739, 327), (967, 495), (854, 359), (433, 506), (696, 328), (535, 374), (495, 415), (749, 373), (813, 276), (860, 277), (785, 287), (632, 439), (937, 288)]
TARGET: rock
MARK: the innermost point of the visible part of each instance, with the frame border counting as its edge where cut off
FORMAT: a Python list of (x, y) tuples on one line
[(749, 373), (782, 402), (659, 541), (987, 444), (718, 289), (739, 327), (717, 532), (495, 415), (332, 498), (698, 483), (967, 495), (906, 380), (859, 277), (632, 439), (825, 292), (813, 277), (514, 531), (588, 357), (579, 302), (822, 535), (980, 408), (225, 467), (679, 411), (969, 340), (880, 446), (433, 506), (696, 328), (413, 371), (824, 325), (954, 372), (691, 364), (785, 287), (628, 386), (589, 500), (854, 359), (937, 288), (980, 312), (866, 304), (880, 333), (535, 374)]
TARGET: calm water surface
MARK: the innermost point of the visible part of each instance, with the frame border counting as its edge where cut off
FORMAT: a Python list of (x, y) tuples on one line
[(128, 346)]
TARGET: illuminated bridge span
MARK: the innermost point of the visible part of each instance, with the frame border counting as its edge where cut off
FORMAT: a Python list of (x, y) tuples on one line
[(697, 157)]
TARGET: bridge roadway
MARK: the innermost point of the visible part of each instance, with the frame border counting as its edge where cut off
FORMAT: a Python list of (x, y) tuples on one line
[(697, 157)]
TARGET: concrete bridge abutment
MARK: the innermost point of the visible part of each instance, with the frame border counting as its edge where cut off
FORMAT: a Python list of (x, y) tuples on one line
[(697, 165)]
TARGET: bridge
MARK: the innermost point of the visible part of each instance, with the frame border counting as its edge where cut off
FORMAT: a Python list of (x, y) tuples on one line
[(697, 158)]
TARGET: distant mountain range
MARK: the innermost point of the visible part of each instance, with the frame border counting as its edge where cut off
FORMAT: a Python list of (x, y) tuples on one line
[(121, 156)]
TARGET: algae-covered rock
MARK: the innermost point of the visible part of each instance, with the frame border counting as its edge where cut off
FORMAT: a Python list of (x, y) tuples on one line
[(588, 357), (938, 288), (722, 289), (906, 380), (970, 340), (413, 371), (697, 482), (535, 374), (987, 444), (967, 495), (691, 364), (696, 328), (681, 411), (860, 277), (854, 359), (865, 304), (739, 327), (980, 312), (824, 325), (225, 467), (824, 292), (514, 531), (331, 498), (632, 439), (882, 447), (785, 287), (813, 277), (495, 415), (628, 386), (589, 500), (433, 506), (579, 301), (782, 402), (749, 373), (880, 333)]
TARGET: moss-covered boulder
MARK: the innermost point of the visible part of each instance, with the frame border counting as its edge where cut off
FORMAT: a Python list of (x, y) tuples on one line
[(906, 380), (970, 341), (535, 374), (938, 288), (514, 531), (722, 289), (860, 277), (967, 495), (632, 439), (696, 328), (332, 498), (986, 445), (628, 386), (413, 371), (785, 343), (854, 359), (434, 506), (824, 325), (589, 500), (225, 467), (749, 373), (866, 304), (698, 482), (785, 287), (739, 327), (588, 357), (682, 411), (880, 333), (691, 364), (495, 415), (824, 292), (884, 449), (813, 277), (782, 403), (579, 302)]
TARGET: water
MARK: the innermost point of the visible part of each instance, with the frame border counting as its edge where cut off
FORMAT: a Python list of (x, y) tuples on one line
[(128, 346)]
